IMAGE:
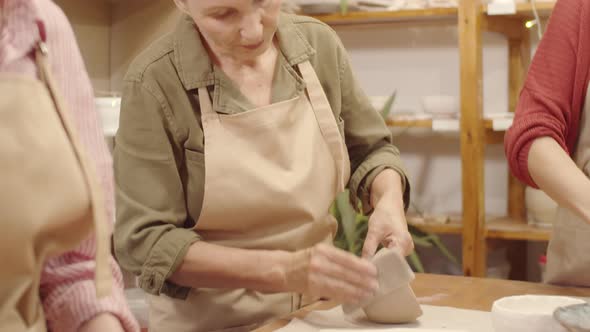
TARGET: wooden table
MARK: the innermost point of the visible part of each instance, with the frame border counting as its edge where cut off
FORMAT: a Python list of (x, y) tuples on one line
[(458, 292)]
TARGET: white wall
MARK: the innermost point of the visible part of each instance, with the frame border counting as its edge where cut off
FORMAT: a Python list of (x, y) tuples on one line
[(91, 22)]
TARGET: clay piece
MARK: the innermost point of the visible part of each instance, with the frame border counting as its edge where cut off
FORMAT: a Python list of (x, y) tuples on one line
[(395, 302)]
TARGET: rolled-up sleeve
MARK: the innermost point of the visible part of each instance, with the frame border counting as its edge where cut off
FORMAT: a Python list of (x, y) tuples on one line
[(150, 236), (555, 88), (369, 141)]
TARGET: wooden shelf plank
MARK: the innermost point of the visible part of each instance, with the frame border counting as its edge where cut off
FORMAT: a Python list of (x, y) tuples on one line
[(504, 228), (364, 17), (507, 228), (525, 10), (430, 226), (425, 123), (421, 123)]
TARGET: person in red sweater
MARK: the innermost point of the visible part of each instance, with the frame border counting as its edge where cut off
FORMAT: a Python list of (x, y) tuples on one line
[(548, 146)]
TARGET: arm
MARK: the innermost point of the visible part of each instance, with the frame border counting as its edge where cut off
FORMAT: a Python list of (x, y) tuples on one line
[(67, 281), (569, 186), (378, 179), (387, 224), (553, 96)]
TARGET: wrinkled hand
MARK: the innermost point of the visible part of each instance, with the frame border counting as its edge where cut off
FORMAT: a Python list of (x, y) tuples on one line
[(327, 272), (102, 322), (388, 226)]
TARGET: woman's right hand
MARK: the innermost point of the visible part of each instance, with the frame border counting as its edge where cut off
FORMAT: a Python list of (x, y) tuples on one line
[(327, 272)]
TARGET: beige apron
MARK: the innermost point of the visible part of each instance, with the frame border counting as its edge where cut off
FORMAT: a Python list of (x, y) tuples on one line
[(271, 176), (568, 260), (47, 191)]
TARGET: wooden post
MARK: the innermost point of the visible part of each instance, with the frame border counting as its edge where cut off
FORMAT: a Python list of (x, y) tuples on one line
[(516, 75), (519, 58), (472, 138)]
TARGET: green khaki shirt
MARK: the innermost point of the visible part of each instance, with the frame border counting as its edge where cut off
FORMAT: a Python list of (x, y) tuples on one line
[(158, 200)]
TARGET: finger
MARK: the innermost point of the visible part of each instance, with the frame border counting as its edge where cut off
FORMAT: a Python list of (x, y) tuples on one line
[(337, 290), (403, 244), (371, 243), (348, 260), (333, 269)]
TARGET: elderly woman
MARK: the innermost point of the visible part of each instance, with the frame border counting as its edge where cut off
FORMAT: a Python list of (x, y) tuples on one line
[(549, 144), (237, 132)]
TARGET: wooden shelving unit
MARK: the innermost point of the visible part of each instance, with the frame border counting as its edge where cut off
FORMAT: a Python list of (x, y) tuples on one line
[(441, 15), (476, 132)]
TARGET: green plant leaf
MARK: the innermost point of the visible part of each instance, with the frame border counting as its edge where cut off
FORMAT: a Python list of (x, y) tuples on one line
[(343, 7), (347, 217), (415, 262), (386, 109), (422, 241)]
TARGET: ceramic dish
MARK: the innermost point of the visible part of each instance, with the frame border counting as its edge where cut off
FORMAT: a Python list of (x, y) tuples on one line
[(529, 313), (575, 317), (440, 105)]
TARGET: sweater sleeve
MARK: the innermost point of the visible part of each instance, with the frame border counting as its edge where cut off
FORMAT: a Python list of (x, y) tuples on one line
[(552, 98), (67, 281)]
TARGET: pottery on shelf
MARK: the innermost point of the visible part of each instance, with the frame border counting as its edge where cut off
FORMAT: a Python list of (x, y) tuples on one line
[(441, 105)]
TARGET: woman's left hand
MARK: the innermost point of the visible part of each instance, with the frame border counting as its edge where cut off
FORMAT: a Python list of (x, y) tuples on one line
[(102, 322), (387, 226)]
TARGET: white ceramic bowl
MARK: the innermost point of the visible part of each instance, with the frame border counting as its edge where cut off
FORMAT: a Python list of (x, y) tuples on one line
[(108, 109), (441, 105), (529, 313)]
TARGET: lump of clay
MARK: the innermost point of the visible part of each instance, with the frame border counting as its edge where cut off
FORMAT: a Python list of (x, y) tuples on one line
[(395, 302)]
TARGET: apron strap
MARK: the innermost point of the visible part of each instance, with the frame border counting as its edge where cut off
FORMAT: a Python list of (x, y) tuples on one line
[(103, 277), (207, 112), (327, 122)]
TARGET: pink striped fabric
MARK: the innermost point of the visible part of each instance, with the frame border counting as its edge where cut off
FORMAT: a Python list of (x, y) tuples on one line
[(67, 281)]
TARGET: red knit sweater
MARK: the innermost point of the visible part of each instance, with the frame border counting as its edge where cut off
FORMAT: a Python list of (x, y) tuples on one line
[(553, 96)]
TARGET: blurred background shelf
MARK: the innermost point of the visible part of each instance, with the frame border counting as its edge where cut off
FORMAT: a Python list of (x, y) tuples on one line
[(366, 17), (448, 15), (525, 10), (502, 228), (507, 228), (454, 226)]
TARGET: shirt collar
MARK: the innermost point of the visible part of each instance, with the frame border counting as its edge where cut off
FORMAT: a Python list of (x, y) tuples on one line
[(195, 68)]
